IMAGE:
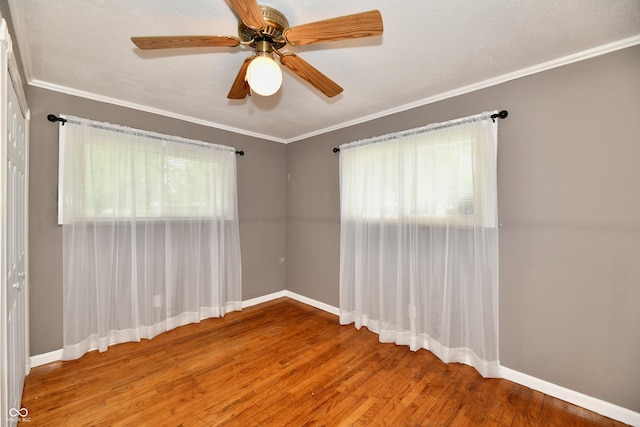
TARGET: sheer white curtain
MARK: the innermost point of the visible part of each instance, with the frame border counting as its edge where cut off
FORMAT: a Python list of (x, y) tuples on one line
[(150, 232), (419, 239)]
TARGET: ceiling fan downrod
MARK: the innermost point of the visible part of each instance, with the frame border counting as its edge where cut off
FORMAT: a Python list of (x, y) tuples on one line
[(264, 47)]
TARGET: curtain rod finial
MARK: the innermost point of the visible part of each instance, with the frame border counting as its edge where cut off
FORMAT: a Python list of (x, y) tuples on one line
[(53, 118), (501, 115)]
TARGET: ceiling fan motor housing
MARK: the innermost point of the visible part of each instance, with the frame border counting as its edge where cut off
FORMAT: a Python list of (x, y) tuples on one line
[(274, 25)]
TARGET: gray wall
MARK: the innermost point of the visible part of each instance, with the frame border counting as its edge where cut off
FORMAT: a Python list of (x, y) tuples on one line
[(568, 180), (262, 186)]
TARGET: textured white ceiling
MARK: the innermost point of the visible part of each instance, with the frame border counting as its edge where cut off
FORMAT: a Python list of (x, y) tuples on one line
[(430, 49)]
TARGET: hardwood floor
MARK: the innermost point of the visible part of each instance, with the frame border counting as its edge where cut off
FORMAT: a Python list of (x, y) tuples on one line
[(280, 363)]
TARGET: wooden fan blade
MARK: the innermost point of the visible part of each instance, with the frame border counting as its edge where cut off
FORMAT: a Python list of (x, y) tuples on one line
[(365, 24), (318, 80), (240, 88), (249, 12), (170, 42)]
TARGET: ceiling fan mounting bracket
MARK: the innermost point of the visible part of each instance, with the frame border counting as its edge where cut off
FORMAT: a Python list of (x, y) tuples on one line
[(274, 25)]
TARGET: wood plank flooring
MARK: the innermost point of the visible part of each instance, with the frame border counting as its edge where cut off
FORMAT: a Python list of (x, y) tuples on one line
[(280, 363)]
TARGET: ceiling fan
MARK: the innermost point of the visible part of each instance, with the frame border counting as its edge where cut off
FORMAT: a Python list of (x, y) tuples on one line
[(267, 31)]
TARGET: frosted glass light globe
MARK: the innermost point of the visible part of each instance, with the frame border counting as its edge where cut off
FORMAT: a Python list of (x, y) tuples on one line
[(264, 76)]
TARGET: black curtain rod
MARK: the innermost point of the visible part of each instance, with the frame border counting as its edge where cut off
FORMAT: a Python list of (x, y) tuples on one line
[(53, 118), (500, 115)]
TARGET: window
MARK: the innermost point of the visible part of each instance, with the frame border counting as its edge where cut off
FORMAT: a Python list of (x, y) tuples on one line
[(435, 176), (142, 175)]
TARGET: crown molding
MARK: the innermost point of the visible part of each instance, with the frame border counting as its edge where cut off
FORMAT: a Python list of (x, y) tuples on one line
[(539, 68), (122, 103)]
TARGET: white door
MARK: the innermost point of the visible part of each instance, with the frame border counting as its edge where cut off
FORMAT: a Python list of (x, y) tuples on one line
[(15, 255), (13, 248)]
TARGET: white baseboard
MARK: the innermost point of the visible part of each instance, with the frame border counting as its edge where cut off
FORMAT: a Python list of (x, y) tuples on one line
[(313, 303), (43, 359), (264, 298), (591, 403), (301, 298)]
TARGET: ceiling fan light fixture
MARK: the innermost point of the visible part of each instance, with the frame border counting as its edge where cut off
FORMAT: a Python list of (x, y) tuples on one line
[(264, 75)]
